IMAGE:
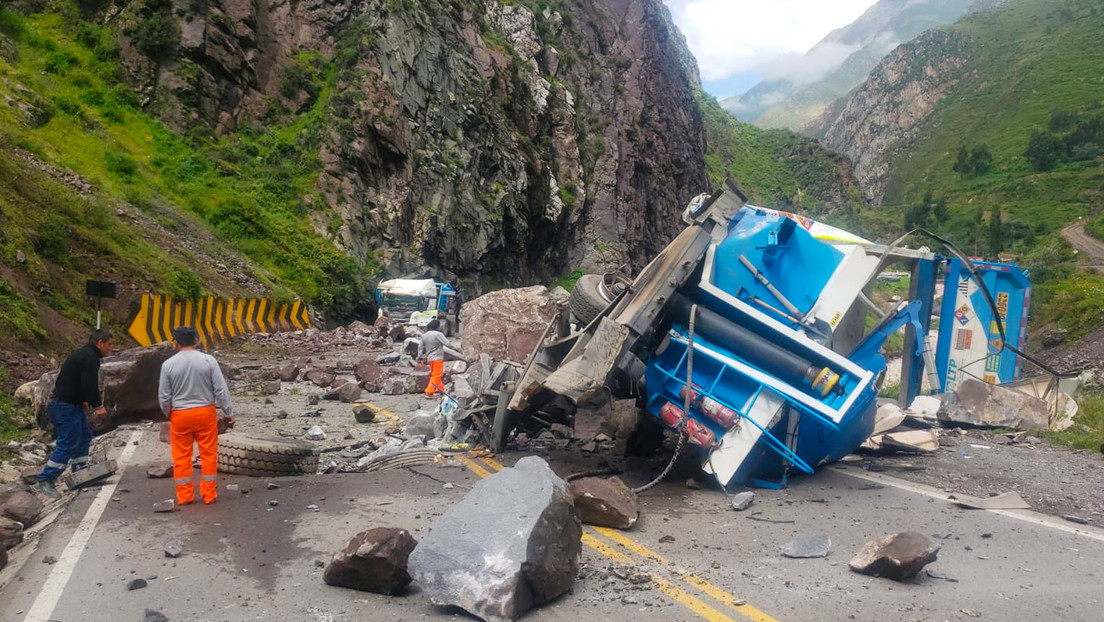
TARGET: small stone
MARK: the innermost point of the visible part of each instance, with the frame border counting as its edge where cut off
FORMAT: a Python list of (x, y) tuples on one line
[(288, 373), (152, 615), (312, 400), (1076, 519), (807, 547), (363, 414), (271, 387), (20, 256), (666, 539), (49, 560), (233, 487), (11, 533), (448, 486), (173, 548), (272, 486), (159, 471), (693, 484), (739, 602), (315, 433), (137, 584), (168, 505), (283, 414), (743, 500), (29, 475), (23, 507), (897, 556), (602, 438), (273, 503)]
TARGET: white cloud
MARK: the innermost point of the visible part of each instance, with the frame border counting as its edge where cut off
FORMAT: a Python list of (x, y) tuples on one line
[(730, 37)]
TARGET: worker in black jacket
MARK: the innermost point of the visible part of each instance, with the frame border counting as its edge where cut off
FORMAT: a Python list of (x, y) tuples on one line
[(76, 392)]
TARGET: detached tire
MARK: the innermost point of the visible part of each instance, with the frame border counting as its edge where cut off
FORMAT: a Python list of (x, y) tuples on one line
[(266, 457), (586, 298)]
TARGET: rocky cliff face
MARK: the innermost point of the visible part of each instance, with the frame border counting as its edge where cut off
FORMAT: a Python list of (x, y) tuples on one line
[(495, 143), (881, 116)]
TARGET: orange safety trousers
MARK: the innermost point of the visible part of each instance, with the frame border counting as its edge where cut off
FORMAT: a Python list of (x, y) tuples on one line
[(199, 425), (436, 378)]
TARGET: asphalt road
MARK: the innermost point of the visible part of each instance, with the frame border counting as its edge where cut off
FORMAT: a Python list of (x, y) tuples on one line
[(246, 560), (1092, 248)]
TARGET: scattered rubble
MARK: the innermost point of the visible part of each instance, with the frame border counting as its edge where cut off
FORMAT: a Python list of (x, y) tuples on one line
[(743, 500), (159, 471), (173, 548), (898, 556), (807, 547), (11, 532), (511, 543), (605, 502), (21, 506), (373, 561)]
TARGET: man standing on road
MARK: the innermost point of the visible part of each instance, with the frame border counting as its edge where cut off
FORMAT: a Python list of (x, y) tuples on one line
[(191, 386), (76, 391), (432, 351)]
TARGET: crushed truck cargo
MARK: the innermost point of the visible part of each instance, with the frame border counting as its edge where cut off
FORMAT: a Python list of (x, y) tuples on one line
[(747, 334)]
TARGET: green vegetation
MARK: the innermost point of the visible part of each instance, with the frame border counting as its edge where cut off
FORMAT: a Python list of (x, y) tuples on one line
[(1034, 69), (568, 281), (1087, 431), (253, 187), (775, 168)]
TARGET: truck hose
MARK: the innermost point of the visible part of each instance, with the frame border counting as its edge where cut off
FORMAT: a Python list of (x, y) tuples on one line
[(771, 357)]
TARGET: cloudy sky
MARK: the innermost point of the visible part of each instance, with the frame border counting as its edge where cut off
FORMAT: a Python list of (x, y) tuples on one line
[(738, 42)]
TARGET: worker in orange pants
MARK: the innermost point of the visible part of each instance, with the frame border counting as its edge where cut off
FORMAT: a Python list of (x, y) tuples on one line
[(432, 350), (191, 385), (199, 425)]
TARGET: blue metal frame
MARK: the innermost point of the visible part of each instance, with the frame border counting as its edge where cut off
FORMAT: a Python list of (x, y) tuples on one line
[(921, 290)]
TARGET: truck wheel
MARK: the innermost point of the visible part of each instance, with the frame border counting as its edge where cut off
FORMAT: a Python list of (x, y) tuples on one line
[(265, 457), (501, 427), (586, 298)]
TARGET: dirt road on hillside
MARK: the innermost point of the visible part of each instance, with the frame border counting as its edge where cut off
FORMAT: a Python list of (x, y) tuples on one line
[(1092, 248)]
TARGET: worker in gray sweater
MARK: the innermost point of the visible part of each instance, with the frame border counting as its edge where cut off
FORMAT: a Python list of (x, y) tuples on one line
[(432, 351)]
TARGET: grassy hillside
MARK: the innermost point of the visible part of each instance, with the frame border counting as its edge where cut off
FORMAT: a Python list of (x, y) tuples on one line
[(69, 106), (776, 168), (1028, 61)]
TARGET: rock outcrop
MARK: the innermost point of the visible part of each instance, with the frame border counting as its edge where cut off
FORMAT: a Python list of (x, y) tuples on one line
[(487, 141), (883, 115)]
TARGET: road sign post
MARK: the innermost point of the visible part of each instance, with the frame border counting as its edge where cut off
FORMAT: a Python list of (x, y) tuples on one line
[(99, 290)]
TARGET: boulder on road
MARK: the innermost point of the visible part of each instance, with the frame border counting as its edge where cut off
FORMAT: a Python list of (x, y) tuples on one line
[(363, 414), (22, 507), (129, 382), (349, 392), (321, 377), (288, 373), (368, 371), (511, 543), (605, 502), (898, 556), (506, 324), (978, 403), (373, 561), (396, 333)]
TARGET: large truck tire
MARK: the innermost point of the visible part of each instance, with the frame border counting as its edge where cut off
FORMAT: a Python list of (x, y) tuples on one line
[(266, 457), (586, 298)]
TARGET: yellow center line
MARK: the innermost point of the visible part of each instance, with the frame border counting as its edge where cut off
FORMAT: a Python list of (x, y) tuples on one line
[(478, 470), (678, 594), (688, 601), (698, 582)]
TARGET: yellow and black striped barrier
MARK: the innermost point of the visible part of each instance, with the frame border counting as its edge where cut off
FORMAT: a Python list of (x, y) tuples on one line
[(215, 319)]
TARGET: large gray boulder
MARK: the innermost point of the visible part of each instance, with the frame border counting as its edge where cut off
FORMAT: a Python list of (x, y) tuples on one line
[(506, 324), (898, 556), (128, 381), (511, 543), (978, 403), (373, 561)]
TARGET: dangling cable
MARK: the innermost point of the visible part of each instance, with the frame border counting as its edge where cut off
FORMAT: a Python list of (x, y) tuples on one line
[(685, 408)]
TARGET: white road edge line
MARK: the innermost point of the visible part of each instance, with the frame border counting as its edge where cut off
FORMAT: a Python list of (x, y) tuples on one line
[(52, 588), (1028, 516)]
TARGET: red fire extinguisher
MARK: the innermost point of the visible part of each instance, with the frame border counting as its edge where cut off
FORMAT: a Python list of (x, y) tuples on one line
[(712, 408)]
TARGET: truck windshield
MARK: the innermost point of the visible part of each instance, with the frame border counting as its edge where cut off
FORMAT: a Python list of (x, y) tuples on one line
[(399, 305)]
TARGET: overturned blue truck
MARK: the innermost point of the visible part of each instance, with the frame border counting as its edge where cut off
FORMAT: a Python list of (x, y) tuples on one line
[(749, 335)]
